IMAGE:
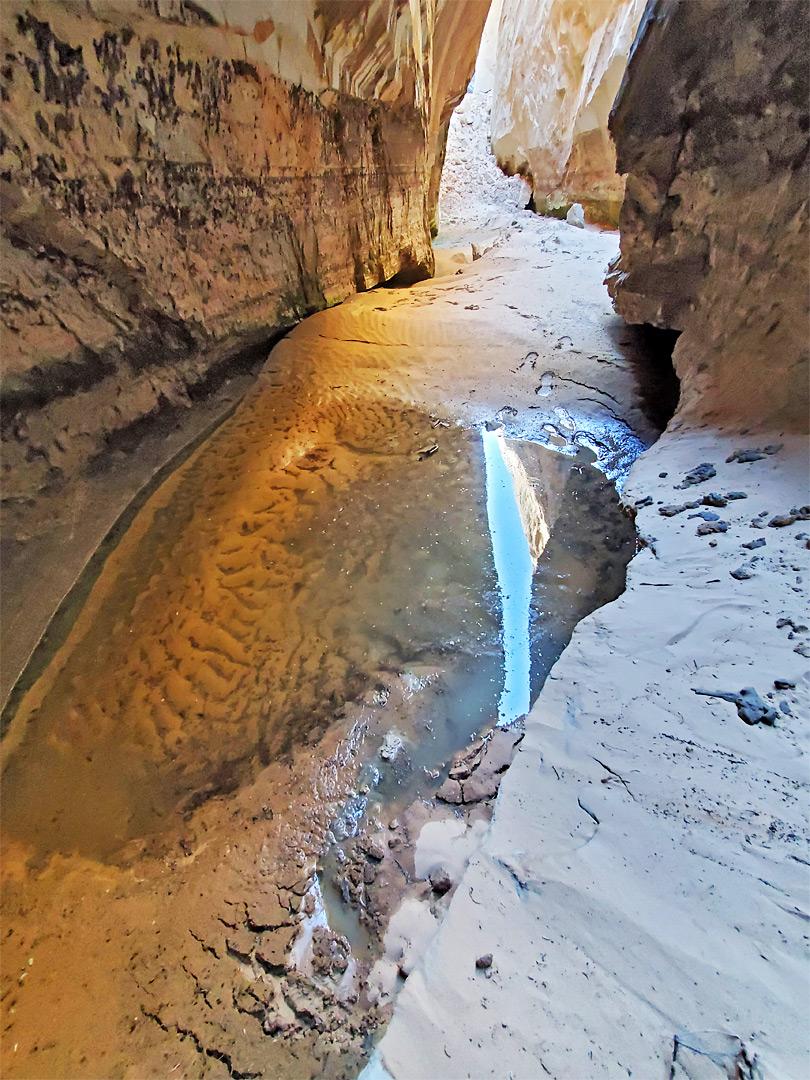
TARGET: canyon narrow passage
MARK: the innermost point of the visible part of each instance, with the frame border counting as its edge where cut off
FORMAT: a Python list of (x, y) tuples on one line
[(299, 630), (405, 540)]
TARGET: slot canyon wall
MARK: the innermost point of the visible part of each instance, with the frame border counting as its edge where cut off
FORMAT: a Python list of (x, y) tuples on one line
[(182, 180), (711, 126), (558, 67)]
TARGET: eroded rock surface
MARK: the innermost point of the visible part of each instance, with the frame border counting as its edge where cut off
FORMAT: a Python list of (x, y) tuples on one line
[(559, 65), (181, 181), (711, 128)]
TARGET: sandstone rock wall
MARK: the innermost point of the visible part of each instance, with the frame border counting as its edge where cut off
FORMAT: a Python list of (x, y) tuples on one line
[(180, 180), (559, 66), (712, 128)]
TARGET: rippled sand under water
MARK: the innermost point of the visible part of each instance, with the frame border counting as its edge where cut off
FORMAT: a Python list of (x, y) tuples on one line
[(254, 599), (263, 588)]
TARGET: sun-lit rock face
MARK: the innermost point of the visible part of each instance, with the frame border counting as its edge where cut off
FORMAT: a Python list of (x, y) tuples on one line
[(712, 128), (181, 179), (559, 66)]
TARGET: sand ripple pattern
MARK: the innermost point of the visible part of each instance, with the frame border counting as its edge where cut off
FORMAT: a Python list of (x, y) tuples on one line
[(249, 600)]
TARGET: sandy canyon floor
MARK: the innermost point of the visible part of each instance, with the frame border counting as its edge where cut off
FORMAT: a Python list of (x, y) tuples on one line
[(199, 739)]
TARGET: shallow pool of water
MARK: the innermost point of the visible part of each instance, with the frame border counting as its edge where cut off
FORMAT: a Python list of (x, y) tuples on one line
[(560, 546), (305, 549)]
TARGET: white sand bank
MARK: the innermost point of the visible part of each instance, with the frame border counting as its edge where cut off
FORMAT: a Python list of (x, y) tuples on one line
[(646, 872)]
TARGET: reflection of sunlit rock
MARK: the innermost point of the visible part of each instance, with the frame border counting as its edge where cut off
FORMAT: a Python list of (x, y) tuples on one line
[(531, 513), (514, 565)]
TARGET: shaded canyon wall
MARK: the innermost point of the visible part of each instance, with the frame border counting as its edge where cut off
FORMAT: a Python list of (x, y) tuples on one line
[(558, 67), (180, 180), (711, 126)]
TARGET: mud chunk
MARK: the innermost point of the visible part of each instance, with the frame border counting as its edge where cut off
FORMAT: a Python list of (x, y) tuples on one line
[(484, 962), (780, 520), (742, 573), (302, 1003), (468, 760), (707, 527), (330, 951), (240, 944), (450, 792), (477, 773), (373, 848), (483, 784), (714, 499), (248, 1001), (274, 1025), (677, 508), (378, 695), (440, 881), (461, 770), (751, 709), (784, 684), (391, 745), (500, 748), (699, 475), (744, 456), (268, 913), (292, 881), (752, 545), (274, 949)]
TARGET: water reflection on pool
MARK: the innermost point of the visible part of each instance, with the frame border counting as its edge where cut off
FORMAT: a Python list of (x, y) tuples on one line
[(515, 568)]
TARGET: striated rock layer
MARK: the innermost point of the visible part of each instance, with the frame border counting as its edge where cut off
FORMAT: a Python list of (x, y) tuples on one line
[(559, 65), (181, 180), (711, 128)]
